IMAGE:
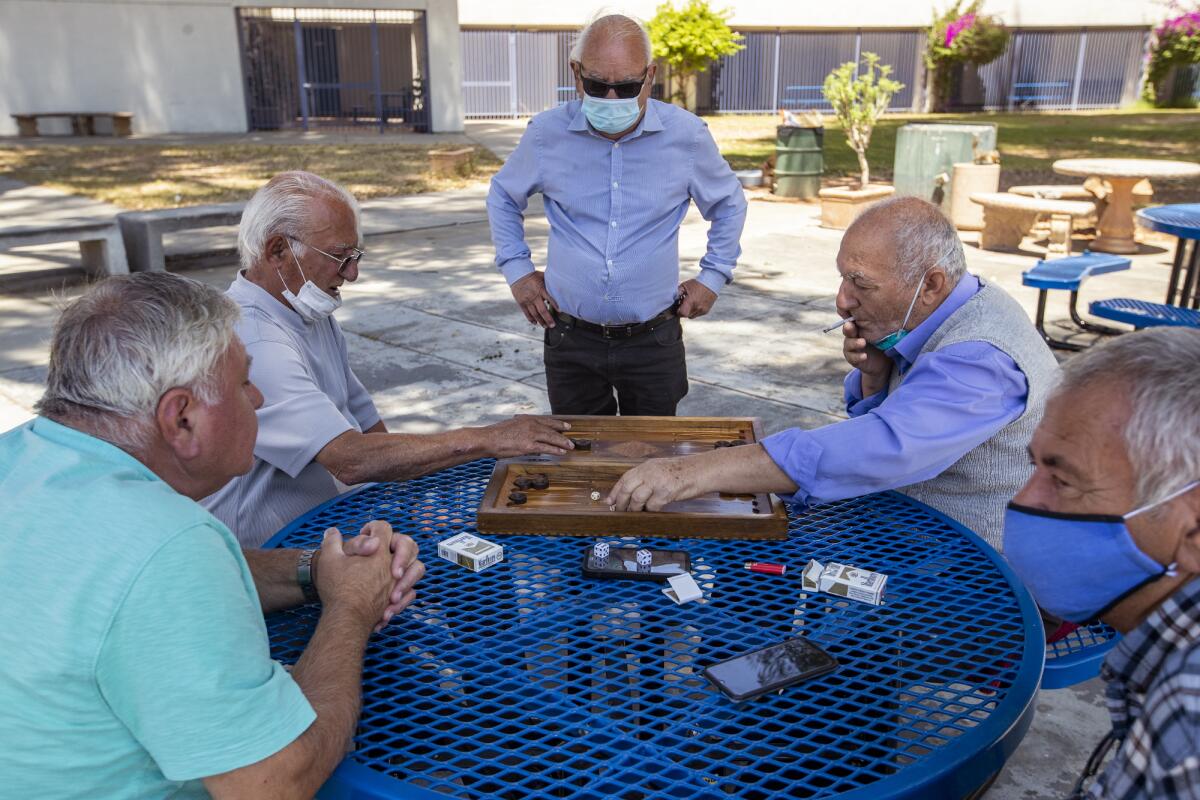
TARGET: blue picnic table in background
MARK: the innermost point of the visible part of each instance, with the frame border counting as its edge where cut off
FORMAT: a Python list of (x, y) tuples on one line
[(1181, 220), (529, 681)]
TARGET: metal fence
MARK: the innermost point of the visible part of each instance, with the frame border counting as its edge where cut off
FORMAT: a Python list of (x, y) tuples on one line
[(512, 73), (1061, 70), (345, 68), (786, 69)]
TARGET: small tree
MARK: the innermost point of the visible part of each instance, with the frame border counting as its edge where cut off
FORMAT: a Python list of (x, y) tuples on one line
[(959, 36), (858, 98), (689, 39)]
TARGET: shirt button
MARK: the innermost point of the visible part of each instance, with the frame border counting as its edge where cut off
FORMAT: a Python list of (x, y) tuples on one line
[(615, 184), (616, 144), (613, 223), (610, 262)]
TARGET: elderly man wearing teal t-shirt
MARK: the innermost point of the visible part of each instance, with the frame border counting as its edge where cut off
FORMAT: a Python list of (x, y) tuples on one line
[(134, 659)]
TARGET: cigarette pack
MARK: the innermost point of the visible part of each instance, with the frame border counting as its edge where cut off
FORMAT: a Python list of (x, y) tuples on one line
[(844, 581), (468, 550)]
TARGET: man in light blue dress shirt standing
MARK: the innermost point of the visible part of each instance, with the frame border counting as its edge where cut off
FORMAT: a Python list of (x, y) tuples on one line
[(949, 382), (617, 172)]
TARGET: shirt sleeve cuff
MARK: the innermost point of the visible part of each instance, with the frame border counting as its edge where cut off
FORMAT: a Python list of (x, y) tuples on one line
[(797, 453), (516, 269), (712, 279), (856, 404)]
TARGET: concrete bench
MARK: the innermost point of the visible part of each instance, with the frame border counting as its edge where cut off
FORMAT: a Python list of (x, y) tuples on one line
[(1008, 218), (143, 230), (83, 123), (1069, 274), (100, 247)]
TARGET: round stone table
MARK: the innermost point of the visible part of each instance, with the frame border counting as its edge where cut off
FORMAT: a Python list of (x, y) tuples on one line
[(1115, 229)]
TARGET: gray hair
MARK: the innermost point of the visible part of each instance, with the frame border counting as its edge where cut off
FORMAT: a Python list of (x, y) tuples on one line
[(282, 208), (117, 349), (616, 28), (1159, 369), (923, 237)]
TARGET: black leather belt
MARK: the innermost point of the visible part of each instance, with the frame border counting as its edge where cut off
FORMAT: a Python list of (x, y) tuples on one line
[(617, 331)]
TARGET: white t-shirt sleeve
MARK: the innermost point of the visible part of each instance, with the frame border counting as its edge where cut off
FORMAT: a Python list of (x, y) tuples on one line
[(297, 418)]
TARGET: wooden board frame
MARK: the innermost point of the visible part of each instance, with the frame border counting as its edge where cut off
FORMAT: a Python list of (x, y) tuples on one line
[(758, 516)]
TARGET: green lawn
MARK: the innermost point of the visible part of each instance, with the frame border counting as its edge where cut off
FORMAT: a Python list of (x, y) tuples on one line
[(1028, 143)]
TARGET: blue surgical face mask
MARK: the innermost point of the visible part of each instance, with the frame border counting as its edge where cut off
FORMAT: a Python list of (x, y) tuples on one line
[(1078, 566), (893, 338), (611, 116)]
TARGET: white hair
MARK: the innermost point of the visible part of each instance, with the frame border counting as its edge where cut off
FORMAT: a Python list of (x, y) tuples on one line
[(923, 237), (117, 349), (1159, 369), (616, 28), (283, 208)]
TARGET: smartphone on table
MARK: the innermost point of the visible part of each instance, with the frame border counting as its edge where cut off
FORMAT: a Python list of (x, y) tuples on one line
[(758, 672)]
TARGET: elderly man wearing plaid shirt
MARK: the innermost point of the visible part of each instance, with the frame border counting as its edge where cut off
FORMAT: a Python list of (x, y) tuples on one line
[(1109, 527)]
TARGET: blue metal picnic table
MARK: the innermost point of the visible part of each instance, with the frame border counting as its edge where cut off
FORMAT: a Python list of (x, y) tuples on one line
[(529, 681), (1181, 220)]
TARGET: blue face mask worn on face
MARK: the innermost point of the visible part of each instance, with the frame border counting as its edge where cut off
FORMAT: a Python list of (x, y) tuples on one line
[(611, 116), (1078, 566), (893, 338)]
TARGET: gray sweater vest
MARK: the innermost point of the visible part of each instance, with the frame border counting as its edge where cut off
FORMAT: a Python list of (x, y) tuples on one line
[(975, 489)]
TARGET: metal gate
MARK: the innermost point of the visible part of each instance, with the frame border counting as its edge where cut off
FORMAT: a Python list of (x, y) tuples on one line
[(345, 68)]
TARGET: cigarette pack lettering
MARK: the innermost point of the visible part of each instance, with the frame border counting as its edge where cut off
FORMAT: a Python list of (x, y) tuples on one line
[(844, 581), (471, 552)]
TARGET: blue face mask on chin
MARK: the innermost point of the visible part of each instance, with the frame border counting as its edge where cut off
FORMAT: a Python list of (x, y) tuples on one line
[(893, 338), (611, 116), (1078, 566)]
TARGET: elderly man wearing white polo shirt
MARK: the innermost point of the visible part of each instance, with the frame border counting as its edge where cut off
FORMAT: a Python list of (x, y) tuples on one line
[(299, 240)]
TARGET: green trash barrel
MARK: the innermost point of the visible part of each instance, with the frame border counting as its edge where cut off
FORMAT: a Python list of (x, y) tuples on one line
[(799, 161)]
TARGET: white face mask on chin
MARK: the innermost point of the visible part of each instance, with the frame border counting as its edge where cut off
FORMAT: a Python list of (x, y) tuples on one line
[(312, 304)]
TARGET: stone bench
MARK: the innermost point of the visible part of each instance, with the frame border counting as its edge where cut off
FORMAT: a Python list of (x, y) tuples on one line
[(1008, 218), (100, 245), (449, 163), (83, 123), (143, 230)]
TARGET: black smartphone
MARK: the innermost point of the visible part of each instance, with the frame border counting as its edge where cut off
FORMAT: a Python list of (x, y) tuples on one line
[(760, 671), (621, 563)]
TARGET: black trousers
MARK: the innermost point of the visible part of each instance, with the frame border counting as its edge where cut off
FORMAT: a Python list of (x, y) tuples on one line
[(644, 375)]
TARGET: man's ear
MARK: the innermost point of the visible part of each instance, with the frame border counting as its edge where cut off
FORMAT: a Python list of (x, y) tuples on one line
[(176, 421), (276, 252), (1188, 556), (933, 286)]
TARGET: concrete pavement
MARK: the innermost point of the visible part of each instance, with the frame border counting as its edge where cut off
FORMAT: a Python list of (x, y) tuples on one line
[(434, 335)]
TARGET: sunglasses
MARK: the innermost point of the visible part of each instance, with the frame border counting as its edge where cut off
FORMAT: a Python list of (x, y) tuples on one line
[(624, 90), (343, 263)]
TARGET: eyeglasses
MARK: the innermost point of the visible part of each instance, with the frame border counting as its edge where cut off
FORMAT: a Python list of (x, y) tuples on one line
[(624, 90), (343, 262)]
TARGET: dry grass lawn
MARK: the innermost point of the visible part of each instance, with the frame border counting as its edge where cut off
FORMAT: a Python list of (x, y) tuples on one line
[(142, 176)]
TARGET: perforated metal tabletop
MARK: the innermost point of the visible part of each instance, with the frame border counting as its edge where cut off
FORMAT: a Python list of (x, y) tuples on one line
[(529, 681)]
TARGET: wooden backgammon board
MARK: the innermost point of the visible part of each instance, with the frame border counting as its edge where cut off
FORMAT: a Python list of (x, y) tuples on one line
[(559, 490)]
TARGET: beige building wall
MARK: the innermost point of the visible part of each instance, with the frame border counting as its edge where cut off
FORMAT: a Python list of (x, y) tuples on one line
[(813, 14), (175, 64)]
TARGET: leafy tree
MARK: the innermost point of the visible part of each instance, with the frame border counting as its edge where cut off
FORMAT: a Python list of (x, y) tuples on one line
[(1176, 43), (687, 40), (858, 98), (960, 35)]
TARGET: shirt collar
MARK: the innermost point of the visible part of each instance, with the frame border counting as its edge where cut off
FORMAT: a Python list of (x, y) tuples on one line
[(651, 122), (911, 345), (246, 292), (1136, 659), (81, 442)]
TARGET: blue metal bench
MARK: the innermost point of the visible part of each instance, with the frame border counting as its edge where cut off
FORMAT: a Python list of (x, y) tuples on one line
[(1077, 657), (1068, 274), (1040, 92), (802, 102), (1144, 314)]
